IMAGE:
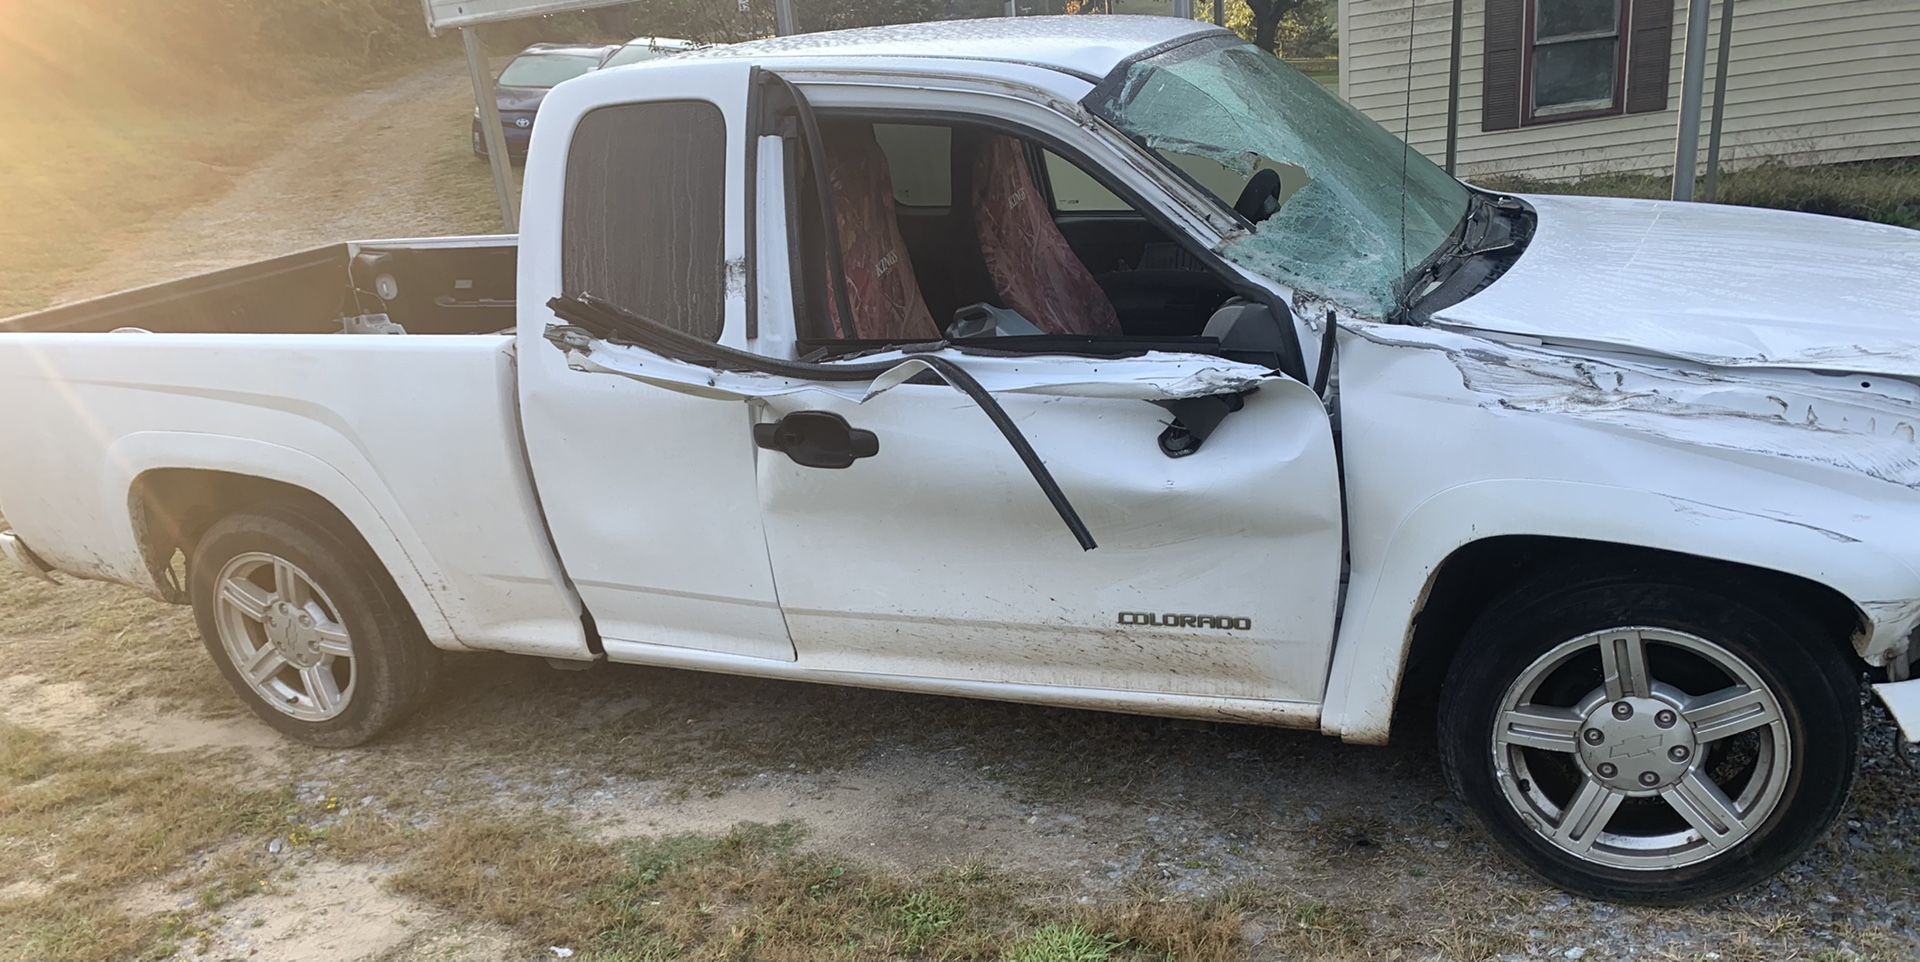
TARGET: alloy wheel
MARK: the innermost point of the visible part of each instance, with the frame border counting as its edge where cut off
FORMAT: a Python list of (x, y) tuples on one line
[(285, 637), (1641, 748)]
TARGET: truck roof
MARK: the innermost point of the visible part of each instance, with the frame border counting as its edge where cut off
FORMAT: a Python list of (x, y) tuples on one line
[(1084, 46)]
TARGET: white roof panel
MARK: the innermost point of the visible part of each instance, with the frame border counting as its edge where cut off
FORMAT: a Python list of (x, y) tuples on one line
[(1090, 46)]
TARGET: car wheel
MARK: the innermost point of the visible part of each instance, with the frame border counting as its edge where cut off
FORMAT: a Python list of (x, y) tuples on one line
[(1648, 740), (308, 628), (479, 144)]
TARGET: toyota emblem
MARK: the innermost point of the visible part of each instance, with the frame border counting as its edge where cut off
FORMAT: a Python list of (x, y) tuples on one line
[(523, 123)]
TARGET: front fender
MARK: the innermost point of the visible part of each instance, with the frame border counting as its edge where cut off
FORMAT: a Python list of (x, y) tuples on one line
[(1384, 597)]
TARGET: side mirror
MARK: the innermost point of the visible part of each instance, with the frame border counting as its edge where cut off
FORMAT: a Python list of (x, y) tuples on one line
[(1250, 332)]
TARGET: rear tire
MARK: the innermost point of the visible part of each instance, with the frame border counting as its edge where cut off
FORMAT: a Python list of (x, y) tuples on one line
[(1649, 740), (307, 627)]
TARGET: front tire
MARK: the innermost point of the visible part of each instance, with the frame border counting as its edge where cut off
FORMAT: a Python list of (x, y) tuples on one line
[(1649, 740), (307, 627)]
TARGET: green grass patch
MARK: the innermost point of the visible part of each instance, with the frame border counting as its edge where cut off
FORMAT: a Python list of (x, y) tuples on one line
[(1885, 192), (1062, 943)]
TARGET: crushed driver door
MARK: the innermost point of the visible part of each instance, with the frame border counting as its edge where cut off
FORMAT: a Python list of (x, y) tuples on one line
[(1215, 573)]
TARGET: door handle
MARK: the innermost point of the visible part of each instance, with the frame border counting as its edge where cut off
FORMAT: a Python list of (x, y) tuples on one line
[(817, 439)]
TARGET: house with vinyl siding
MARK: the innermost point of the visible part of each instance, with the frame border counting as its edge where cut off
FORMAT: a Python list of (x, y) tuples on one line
[(1564, 88)]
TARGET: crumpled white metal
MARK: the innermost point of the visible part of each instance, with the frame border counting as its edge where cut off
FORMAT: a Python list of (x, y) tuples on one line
[(1903, 700), (1155, 376)]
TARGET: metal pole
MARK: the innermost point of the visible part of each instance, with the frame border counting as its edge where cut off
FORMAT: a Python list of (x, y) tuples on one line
[(1219, 13), (1183, 9), (785, 22), (490, 131), (1013, 8), (1453, 88), (1693, 75), (1711, 189)]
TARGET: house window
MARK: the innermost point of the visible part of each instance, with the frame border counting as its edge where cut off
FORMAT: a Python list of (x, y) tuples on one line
[(1575, 62), (1548, 61)]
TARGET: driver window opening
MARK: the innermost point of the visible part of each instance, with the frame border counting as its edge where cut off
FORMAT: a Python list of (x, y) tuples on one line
[(960, 232)]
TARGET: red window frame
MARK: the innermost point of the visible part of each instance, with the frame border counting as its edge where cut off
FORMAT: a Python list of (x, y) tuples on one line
[(1530, 15)]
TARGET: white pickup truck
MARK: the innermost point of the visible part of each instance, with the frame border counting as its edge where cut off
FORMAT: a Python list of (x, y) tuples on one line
[(1095, 361)]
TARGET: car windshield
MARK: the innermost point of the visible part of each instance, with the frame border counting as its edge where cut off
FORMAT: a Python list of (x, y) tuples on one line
[(544, 69), (1356, 208)]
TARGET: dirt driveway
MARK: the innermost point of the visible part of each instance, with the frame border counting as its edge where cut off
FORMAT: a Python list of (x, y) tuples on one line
[(637, 813)]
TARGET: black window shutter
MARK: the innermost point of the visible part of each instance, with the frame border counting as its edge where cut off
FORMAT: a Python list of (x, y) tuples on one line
[(1649, 55), (1500, 70)]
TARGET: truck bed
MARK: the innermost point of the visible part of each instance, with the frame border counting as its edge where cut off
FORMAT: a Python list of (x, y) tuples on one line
[(459, 285), (112, 441)]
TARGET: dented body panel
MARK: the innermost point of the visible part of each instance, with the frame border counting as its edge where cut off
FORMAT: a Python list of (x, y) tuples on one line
[(1150, 377), (1722, 286), (1788, 471)]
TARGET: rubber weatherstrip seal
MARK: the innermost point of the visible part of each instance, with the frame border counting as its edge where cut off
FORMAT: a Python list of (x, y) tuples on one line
[(603, 319), (829, 224)]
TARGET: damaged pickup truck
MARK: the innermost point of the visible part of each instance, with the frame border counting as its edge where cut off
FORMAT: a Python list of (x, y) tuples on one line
[(1093, 361)]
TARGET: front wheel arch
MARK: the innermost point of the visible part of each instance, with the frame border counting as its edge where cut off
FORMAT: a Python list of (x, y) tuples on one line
[(1477, 574)]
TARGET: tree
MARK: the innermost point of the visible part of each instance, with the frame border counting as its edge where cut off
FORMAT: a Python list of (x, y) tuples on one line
[(1267, 15), (1289, 28), (727, 21), (713, 21)]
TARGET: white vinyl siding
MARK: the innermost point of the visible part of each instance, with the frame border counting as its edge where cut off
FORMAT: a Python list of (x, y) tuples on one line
[(1810, 81)]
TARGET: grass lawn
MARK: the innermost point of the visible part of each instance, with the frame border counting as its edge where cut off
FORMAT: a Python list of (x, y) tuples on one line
[(1324, 70), (1886, 192)]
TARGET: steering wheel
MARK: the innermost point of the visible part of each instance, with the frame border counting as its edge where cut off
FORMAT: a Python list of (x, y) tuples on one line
[(1261, 197)]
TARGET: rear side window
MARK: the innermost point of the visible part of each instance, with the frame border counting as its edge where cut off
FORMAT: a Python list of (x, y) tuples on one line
[(920, 158), (644, 217)]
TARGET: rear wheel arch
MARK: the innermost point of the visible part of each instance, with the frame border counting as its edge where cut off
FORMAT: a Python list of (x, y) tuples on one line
[(172, 508), (1479, 573)]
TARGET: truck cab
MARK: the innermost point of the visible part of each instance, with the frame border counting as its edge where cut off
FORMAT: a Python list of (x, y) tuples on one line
[(947, 227)]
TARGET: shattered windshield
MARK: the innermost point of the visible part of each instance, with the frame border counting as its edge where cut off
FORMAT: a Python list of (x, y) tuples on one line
[(1335, 223)]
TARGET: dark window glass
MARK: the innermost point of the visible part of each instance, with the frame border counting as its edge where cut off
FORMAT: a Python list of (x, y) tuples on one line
[(1558, 18), (1578, 73), (1576, 56), (920, 158), (644, 212)]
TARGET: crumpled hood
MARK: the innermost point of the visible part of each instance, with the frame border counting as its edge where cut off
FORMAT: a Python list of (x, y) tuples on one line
[(1721, 285)]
